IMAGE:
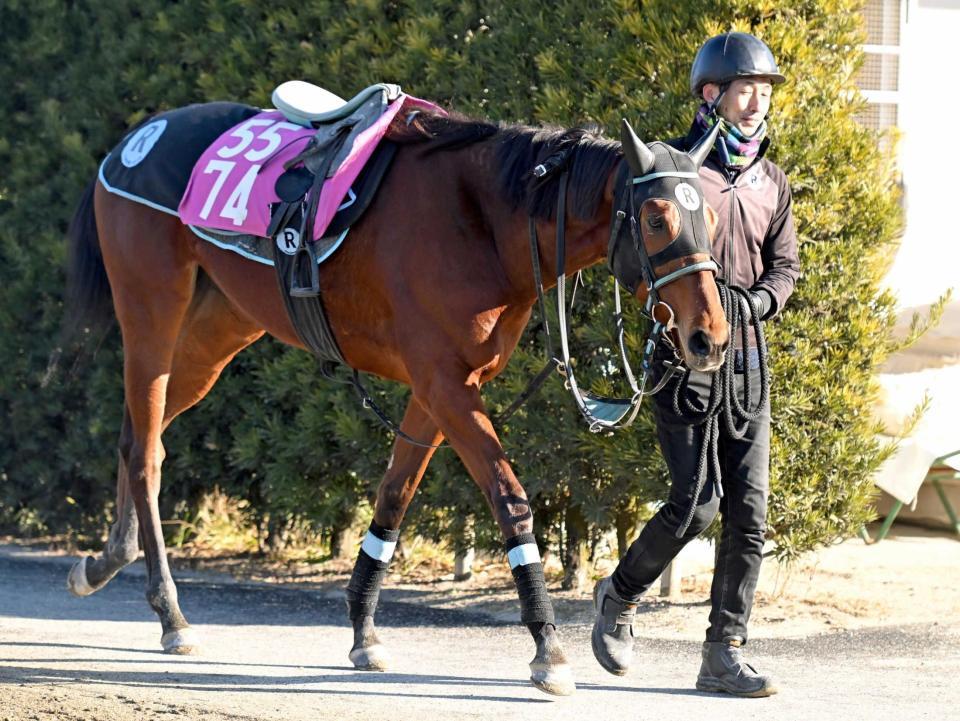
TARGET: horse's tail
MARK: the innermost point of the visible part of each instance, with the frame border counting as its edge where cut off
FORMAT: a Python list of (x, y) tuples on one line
[(88, 304)]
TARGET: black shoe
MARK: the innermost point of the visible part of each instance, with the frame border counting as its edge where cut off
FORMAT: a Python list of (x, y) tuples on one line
[(724, 670), (612, 637)]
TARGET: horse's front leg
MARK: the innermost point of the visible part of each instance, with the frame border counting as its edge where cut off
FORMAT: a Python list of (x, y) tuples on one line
[(407, 465), (457, 408)]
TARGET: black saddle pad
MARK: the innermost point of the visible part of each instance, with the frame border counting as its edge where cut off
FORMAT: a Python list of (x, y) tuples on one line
[(152, 164)]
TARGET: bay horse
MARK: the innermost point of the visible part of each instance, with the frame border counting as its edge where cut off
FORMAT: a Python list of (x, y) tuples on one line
[(433, 290)]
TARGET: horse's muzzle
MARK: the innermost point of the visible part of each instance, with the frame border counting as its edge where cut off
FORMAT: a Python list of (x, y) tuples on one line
[(705, 354)]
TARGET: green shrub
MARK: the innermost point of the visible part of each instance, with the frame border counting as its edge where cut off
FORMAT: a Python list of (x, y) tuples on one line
[(75, 75)]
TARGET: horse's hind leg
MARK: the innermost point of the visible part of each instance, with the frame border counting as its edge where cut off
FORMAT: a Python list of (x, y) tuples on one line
[(211, 335), (407, 465), (150, 329), (92, 573), (152, 278)]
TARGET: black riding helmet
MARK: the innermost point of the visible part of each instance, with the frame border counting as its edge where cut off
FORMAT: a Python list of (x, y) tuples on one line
[(726, 57)]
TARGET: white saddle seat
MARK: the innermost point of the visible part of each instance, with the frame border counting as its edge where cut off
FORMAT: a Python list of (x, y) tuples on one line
[(307, 104)]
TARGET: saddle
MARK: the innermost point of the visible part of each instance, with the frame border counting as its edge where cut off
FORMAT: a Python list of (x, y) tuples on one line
[(338, 124), (310, 105)]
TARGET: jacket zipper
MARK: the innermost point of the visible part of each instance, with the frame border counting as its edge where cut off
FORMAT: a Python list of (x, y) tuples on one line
[(732, 189)]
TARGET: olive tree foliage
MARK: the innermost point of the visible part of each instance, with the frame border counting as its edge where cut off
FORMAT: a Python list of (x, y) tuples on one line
[(273, 432)]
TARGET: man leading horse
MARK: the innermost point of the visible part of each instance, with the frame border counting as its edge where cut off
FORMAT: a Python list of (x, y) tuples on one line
[(433, 290), (755, 244)]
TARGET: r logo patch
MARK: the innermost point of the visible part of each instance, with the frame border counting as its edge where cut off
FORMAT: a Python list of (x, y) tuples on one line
[(141, 143), (688, 196), (288, 240)]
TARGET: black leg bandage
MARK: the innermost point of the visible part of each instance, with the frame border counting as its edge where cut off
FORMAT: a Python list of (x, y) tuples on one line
[(524, 556), (363, 591)]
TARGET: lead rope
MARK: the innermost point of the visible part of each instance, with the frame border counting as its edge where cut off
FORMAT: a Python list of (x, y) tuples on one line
[(724, 400)]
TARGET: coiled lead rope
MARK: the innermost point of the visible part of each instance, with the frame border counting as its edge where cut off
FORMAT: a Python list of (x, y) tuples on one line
[(724, 400)]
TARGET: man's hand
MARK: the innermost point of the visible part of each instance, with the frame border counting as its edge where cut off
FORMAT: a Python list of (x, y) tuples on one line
[(759, 303)]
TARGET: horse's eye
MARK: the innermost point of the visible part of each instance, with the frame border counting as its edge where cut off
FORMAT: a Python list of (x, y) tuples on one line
[(655, 222)]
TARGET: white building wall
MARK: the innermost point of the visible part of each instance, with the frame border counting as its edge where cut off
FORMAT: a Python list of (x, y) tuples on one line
[(928, 261)]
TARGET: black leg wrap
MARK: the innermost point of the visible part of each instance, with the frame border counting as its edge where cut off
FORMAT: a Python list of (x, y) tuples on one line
[(535, 605), (363, 591), (536, 629)]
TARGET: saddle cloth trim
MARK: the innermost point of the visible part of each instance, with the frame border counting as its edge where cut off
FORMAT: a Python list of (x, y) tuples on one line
[(200, 233), (130, 196)]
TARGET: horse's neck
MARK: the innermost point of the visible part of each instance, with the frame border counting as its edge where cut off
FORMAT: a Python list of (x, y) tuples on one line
[(472, 174), (585, 244), (585, 240)]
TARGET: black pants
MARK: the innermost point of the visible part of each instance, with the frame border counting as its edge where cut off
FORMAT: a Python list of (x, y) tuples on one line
[(745, 468)]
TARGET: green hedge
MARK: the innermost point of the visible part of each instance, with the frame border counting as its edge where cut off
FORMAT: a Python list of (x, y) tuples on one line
[(75, 75)]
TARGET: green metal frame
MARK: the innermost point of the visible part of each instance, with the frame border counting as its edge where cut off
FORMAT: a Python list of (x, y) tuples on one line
[(934, 477), (946, 502)]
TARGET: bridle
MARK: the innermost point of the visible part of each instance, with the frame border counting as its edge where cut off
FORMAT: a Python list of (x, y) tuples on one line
[(630, 263), (680, 248), (658, 185)]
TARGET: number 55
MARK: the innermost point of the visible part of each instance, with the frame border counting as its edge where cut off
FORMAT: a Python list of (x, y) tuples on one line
[(270, 136)]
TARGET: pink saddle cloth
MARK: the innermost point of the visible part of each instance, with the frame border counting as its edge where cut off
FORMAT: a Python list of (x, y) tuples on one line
[(231, 186)]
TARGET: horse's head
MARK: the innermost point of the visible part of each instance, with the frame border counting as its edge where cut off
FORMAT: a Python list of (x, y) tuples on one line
[(660, 245)]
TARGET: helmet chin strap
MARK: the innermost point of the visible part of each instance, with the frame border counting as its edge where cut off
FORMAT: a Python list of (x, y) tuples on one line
[(716, 101)]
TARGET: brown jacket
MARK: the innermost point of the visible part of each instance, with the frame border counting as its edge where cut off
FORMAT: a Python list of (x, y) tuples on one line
[(755, 244)]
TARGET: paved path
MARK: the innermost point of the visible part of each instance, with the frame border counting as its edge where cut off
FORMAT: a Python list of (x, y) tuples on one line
[(276, 653)]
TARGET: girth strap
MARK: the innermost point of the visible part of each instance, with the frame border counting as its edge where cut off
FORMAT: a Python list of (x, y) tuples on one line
[(307, 314)]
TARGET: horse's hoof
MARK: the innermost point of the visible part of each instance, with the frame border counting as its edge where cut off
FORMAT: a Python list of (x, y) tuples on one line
[(555, 679), (184, 642), (77, 580), (371, 658)]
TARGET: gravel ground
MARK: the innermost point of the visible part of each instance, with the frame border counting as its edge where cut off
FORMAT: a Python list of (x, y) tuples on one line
[(279, 652)]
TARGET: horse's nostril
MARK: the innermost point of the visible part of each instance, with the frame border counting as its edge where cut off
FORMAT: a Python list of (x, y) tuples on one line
[(699, 343)]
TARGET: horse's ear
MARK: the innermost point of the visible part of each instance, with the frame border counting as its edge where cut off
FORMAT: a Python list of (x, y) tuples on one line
[(639, 157), (702, 149)]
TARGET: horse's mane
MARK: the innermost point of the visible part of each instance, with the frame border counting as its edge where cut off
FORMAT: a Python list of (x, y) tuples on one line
[(519, 149)]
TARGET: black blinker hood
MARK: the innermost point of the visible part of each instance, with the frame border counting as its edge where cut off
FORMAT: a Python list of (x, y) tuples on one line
[(626, 257)]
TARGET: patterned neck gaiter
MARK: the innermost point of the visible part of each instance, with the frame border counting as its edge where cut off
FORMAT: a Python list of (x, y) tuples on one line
[(734, 148)]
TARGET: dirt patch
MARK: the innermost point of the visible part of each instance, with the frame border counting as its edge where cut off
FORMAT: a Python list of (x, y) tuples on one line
[(908, 578), (44, 703)]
